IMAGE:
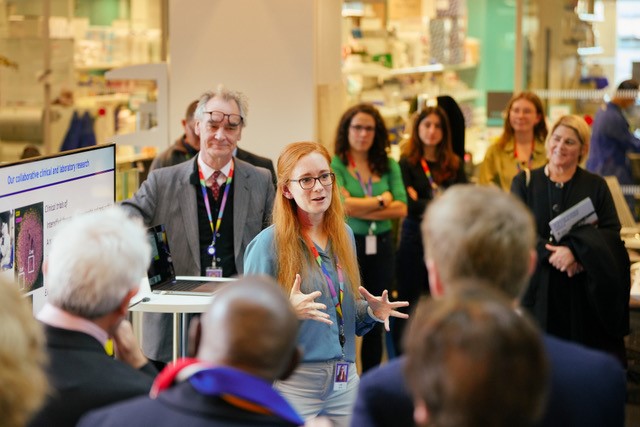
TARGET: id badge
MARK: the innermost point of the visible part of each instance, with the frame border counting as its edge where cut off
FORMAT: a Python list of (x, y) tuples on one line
[(214, 272), (370, 244), (341, 376)]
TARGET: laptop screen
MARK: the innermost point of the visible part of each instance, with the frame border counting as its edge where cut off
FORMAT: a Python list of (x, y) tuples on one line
[(161, 267)]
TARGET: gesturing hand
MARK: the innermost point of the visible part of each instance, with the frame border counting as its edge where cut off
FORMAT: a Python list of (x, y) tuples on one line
[(412, 193), (383, 308), (305, 305)]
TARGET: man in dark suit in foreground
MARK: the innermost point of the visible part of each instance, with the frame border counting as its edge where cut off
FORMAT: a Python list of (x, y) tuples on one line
[(483, 233), (93, 269), (248, 340), (212, 206)]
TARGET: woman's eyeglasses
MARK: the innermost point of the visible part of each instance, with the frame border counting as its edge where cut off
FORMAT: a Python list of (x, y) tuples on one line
[(308, 182)]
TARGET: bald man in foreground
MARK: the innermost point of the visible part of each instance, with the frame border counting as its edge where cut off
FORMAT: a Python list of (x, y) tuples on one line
[(247, 341)]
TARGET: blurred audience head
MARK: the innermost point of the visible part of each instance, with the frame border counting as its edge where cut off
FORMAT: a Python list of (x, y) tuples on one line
[(23, 383), (188, 124), (95, 263), (29, 152), (474, 361), (477, 232), (251, 326)]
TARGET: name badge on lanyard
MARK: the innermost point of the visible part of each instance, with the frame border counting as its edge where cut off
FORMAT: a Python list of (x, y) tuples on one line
[(371, 241), (370, 244), (340, 376)]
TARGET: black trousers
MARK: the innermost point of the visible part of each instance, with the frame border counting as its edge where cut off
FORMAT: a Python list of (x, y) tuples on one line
[(412, 280), (377, 273)]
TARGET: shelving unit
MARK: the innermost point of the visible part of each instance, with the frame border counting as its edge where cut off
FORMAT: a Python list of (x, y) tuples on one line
[(401, 35), (157, 136)]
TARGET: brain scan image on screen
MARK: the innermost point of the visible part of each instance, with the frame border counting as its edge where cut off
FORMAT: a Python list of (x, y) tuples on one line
[(29, 248)]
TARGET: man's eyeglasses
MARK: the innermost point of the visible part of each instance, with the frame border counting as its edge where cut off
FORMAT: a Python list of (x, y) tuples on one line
[(308, 182), (360, 128), (217, 117)]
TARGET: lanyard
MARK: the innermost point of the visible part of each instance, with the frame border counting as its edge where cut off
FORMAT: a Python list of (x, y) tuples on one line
[(214, 229), (427, 172), (367, 189), (556, 192), (337, 300), (515, 155)]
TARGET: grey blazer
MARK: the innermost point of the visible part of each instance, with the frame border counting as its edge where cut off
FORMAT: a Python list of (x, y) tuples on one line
[(167, 197)]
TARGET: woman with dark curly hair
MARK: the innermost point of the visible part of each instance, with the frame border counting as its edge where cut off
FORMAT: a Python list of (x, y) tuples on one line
[(373, 191), (428, 166)]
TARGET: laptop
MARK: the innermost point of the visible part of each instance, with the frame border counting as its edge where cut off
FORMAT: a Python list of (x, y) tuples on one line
[(161, 273)]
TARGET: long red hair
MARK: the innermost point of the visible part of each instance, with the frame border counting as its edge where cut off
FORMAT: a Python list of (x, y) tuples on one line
[(289, 233)]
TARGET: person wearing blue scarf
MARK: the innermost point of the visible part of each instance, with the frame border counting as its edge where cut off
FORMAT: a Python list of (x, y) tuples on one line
[(247, 341)]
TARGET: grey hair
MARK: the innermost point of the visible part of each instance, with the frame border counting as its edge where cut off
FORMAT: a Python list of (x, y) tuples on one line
[(95, 259), (477, 232), (227, 95)]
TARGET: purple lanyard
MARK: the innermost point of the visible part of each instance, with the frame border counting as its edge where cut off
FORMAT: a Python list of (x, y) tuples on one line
[(367, 189), (215, 228), (337, 300)]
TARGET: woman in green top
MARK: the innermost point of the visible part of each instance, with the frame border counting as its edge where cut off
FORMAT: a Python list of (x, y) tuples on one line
[(374, 194)]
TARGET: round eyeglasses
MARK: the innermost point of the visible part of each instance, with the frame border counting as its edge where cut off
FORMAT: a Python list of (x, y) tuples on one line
[(218, 116), (308, 182)]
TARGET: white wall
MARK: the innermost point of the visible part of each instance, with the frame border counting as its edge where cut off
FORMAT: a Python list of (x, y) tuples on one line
[(264, 48)]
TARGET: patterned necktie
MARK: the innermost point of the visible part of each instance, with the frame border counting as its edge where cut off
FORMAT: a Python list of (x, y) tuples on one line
[(213, 183)]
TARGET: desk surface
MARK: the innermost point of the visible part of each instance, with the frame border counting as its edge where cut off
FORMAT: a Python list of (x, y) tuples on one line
[(173, 304), (166, 303)]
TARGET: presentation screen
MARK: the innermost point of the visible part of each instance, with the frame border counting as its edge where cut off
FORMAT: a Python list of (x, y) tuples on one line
[(37, 196)]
